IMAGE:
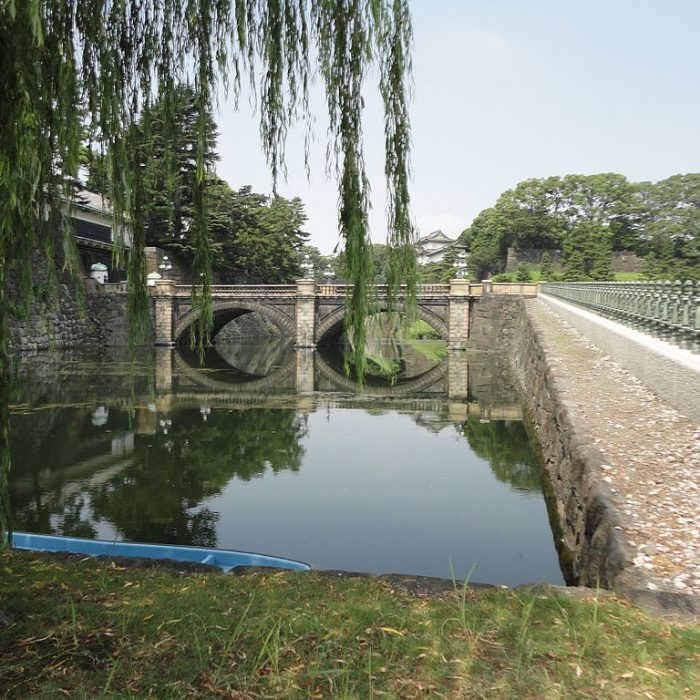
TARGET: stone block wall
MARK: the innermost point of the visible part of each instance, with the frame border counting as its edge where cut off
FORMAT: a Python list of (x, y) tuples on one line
[(626, 261), (622, 260), (69, 323), (533, 258), (584, 513), (586, 516), (87, 315), (494, 322), (247, 328), (108, 304)]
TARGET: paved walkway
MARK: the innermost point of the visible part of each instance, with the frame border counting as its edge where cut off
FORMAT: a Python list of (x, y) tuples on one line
[(651, 451)]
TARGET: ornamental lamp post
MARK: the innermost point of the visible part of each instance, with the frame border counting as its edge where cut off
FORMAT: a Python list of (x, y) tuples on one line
[(461, 265), (152, 278), (307, 267), (328, 273), (165, 266)]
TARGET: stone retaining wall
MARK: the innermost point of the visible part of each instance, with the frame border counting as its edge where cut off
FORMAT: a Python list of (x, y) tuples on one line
[(533, 258), (621, 260), (585, 512), (92, 317), (68, 323), (494, 322)]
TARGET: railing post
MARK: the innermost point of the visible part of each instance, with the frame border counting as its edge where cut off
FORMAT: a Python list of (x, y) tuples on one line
[(164, 294), (306, 314), (686, 298)]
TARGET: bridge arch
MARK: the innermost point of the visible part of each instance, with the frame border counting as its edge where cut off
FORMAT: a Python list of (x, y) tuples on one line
[(332, 325), (408, 387), (257, 385), (226, 311)]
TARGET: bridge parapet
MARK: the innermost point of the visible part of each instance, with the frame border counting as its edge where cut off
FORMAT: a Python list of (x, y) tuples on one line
[(382, 290), (324, 290), (256, 291)]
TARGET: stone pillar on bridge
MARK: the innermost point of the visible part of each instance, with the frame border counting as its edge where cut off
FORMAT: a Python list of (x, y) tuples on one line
[(306, 314), (164, 296), (304, 380), (458, 325)]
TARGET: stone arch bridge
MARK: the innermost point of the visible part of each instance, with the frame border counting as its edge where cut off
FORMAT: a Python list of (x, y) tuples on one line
[(310, 314)]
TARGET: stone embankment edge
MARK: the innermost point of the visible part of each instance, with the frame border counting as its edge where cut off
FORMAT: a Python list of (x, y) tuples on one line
[(589, 520)]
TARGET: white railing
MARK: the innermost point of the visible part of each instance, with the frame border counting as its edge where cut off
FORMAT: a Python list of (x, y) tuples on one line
[(671, 308)]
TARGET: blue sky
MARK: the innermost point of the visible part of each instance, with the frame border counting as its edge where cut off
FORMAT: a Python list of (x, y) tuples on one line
[(505, 91)]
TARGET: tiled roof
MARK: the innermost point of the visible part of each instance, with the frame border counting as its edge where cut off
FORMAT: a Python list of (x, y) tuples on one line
[(92, 200), (435, 236)]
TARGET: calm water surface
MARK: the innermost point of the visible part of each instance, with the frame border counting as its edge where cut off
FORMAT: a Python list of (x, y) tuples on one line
[(270, 450)]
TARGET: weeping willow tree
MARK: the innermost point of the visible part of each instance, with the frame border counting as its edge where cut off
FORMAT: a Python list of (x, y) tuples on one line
[(73, 71)]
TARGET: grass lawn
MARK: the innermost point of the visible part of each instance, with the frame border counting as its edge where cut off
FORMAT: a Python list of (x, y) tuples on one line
[(94, 629), (629, 277)]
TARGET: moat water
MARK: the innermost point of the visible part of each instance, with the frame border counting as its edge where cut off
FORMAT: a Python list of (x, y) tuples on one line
[(268, 449)]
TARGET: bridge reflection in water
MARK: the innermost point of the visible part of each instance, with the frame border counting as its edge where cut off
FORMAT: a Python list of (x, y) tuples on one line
[(272, 449), (473, 386)]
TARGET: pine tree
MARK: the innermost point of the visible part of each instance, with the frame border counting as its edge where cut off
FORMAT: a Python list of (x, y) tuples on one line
[(168, 136), (523, 273), (587, 252), (546, 269)]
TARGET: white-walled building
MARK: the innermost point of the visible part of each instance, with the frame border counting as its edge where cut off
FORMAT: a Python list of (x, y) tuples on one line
[(94, 234), (432, 248)]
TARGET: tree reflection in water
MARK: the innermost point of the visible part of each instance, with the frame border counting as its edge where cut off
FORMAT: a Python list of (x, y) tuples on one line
[(156, 492), (156, 498), (506, 447), (78, 467)]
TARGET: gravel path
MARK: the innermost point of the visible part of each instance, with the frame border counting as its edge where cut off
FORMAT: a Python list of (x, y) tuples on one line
[(651, 452)]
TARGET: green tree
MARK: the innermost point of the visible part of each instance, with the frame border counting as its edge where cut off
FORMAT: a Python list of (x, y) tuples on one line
[(672, 225), (488, 244), (587, 252), (169, 135), (529, 215), (255, 239), (605, 200), (546, 268), (523, 273), (65, 65), (96, 167)]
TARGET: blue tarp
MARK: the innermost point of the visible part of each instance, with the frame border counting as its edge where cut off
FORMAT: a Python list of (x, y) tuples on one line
[(225, 559)]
